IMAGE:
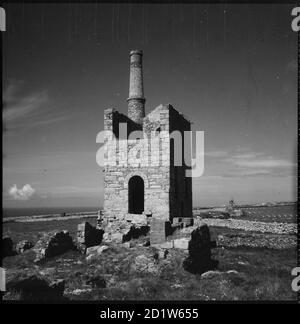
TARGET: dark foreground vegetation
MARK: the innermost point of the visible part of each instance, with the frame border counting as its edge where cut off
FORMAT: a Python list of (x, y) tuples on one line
[(118, 273)]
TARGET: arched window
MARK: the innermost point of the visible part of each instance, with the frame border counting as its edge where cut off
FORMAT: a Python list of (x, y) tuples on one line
[(136, 195)]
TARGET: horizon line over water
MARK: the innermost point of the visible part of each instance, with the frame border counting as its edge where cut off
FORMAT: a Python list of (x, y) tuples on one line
[(33, 211)]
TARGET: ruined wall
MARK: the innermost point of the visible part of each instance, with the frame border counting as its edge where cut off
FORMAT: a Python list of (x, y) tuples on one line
[(133, 160), (167, 193), (181, 186)]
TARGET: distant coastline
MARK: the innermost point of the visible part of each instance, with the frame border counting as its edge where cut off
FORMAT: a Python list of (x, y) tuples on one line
[(57, 211), (19, 212)]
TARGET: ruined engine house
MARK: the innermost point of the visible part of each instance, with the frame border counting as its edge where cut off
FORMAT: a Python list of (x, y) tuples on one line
[(140, 177)]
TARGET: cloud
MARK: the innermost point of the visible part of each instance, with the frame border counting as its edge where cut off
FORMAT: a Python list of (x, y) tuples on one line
[(246, 163), (250, 163), (29, 104), (21, 194), (260, 160), (264, 163), (23, 110)]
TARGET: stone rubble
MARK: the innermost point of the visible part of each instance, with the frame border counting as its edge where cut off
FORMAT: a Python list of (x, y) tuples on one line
[(142, 263), (52, 244), (254, 240), (121, 232), (23, 245), (87, 236), (96, 249)]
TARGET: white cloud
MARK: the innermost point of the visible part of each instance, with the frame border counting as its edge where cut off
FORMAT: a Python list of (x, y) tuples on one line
[(265, 163), (24, 193), (259, 160), (247, 163)]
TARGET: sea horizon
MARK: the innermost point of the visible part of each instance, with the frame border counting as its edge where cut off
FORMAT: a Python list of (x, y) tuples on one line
[(31, 211)]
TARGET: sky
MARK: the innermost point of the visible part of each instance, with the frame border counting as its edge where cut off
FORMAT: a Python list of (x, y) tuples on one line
[(232, 69)]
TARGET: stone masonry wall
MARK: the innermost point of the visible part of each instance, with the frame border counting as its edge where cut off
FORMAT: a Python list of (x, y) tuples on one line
[(152, 167), (167, 192)]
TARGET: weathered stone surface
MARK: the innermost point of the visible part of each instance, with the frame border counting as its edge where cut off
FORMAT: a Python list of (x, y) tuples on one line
[(165, 245), (161, 254), (135, 232), (211, 274), (128, 245), (158, 231), (143, 263), (117, 237), (199, 259), (120, 231), (7, 247), (163, 196), (52, 244), (140, 176), (90, 257), (140, 220), (182, 243), (256, 240), (96, 249), (183, 221), (23, 246), (88, 235)]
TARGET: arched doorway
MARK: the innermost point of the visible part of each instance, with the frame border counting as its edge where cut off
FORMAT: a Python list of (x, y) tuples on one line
[(136, 195)]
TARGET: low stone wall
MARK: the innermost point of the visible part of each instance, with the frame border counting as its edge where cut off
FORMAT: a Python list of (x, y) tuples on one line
[(254, 240), (253, 226)]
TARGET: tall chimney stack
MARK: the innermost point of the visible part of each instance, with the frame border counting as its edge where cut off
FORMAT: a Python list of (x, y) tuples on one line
[(136, 100)]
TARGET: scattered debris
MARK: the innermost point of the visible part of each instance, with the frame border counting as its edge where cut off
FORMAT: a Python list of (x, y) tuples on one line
[(255, 240), (23, 246), (96, 249), (52, 244), (142, 263), (210, 274), (120, 232)]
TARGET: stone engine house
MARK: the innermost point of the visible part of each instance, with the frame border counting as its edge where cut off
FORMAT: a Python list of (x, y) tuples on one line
[(141, 179)]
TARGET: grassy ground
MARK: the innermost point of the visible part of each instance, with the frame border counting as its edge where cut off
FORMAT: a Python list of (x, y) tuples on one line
[(262, 274), (32, 231)]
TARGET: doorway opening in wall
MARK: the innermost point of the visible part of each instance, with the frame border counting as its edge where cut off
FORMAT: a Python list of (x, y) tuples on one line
[(136, 195)]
